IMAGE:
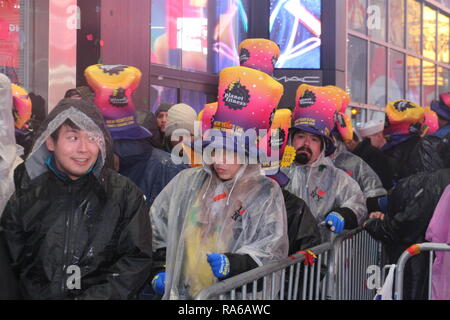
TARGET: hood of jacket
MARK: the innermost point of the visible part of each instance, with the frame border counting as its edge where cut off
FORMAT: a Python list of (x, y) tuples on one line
[(86, 116)]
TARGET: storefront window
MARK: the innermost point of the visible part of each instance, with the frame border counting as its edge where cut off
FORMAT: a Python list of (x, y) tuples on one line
[(195, 99), (160, 94), (357, 15), (357, 72), (397, 23), (179, 34), (429, 82), (231, 29), (443, 80), (197, 35), (396, 79), (377, 75), (429, 33), (10, 40), (444, 35), (376, 19), (413, 67), (414, 25), (296, 27)]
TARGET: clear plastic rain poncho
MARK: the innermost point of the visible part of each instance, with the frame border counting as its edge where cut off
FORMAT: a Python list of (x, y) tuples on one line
[(359, 170), (36, 161), (198, 213), (324, 187), (8, 150)]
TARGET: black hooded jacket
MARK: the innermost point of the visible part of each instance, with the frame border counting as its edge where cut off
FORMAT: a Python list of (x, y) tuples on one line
[(96, 227), (377, 160), (411, 206)]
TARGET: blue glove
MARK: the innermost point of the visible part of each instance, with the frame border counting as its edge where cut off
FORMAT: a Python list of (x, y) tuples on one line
[(159, 283), (335, 222), (220, 264), (383, 204)]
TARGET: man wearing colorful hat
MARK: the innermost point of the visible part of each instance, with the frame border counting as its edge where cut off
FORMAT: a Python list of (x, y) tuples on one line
[(426, 157), (353, 165), (403, 130), (227, 217), (303, 232), (412, 204), (442, 108), (331, 194), (150, 168)]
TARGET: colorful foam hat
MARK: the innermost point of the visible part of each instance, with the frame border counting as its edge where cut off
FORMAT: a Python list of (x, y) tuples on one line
[(343, 95), (114, 86), (442, 106), (247, 99), (344, 126), (22, 109), (276, 141), (314, 112), (206, 116), (260, 54), (431, 124), (403, 117)]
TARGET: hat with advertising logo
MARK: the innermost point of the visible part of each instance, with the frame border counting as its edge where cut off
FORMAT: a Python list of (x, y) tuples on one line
[(260, 54), (247, 101), (315, 109), (403, 117), (114, 86)]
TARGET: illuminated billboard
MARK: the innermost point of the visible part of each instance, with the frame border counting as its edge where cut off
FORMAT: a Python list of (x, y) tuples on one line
[(295, 25)]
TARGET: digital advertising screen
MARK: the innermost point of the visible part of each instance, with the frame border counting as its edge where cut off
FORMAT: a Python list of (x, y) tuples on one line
[(295, 25)]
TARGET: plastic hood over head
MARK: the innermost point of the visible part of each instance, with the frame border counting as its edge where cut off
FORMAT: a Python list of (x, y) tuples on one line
[(7, 143), (85, 115), (245, 215)]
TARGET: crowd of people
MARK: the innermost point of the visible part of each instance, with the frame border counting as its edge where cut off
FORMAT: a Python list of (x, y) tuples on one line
[(94, 205)]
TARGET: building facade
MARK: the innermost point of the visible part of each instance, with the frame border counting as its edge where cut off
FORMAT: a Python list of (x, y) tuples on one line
[(378, 50)]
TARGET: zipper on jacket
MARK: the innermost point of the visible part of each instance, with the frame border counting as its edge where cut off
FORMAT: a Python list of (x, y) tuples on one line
[(68, 222)]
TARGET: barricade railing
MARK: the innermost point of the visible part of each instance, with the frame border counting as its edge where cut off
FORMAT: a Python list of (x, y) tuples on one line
[(352, 254), (338, 272), (404, 258), (280, 280)]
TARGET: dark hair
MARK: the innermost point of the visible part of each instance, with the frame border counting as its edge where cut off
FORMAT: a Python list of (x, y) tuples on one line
[(71, 92), (68, 122)]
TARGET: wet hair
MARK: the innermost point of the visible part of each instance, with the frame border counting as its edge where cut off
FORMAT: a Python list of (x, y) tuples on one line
[(71, 92), (68, 122)]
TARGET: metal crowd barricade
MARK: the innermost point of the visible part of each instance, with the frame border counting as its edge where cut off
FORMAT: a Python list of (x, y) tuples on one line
[(406, 255), (288, 279), (352, 253), (345, 259)]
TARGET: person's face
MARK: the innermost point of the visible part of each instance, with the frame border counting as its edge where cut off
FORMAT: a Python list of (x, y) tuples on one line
[(75, 150), (308, 147), (162, 120), (377, 140), (351, 145), (226, 165)]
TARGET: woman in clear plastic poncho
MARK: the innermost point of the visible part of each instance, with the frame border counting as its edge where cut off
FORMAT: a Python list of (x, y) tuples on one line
[(8, 148), (199, 213)]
